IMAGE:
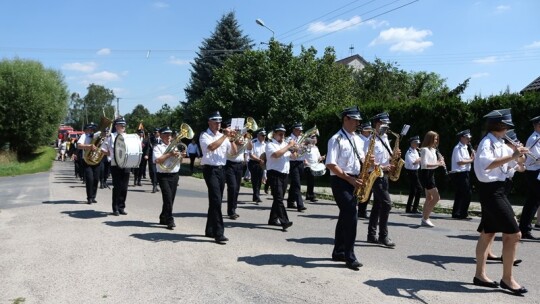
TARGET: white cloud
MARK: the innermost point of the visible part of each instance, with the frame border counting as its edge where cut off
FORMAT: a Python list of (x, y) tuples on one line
[(86, 67), (104, 51), (480, 75), (104, 76), (534, 45), (404, 39), (376, 23), (160, 4), (502, 8), (321, 27), (177, 61), (486, 60)]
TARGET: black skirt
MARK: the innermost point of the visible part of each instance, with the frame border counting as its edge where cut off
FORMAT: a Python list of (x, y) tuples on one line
[(497, 212), (427, 178)]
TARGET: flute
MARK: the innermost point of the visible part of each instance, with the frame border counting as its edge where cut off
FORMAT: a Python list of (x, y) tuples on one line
[(439, 156)]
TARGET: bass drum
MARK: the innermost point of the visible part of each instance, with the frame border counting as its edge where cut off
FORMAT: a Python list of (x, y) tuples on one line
[(127, 150), (318, 169)]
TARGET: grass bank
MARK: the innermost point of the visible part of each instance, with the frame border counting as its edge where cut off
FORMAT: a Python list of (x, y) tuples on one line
[(39, 161)]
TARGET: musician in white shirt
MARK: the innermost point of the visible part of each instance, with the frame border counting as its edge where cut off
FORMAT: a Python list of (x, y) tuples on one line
[(412, 166), (255, 164), (278, 155), (365, 131), (312, 157), (295, 174), (461, 166)]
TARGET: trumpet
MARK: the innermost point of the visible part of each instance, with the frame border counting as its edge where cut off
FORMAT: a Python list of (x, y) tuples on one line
[(250, 125)]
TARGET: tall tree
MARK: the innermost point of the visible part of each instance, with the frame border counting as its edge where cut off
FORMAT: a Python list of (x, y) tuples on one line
[(139, 114), (33, 102), (226, 40), (91, 107)]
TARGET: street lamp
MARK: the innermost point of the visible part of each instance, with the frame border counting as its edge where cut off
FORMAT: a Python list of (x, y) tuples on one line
[(261, 23)]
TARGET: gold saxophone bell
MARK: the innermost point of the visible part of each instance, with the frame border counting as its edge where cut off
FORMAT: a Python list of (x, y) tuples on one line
[(93, 158), (177, 145)]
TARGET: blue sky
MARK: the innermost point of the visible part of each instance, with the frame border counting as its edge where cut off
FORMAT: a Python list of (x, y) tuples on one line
[(141, 49)]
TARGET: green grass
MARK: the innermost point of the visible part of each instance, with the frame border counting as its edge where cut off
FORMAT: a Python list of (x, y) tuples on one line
[(39, 161)]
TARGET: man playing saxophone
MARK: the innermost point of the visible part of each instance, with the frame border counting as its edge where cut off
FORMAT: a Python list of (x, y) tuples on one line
[(381, 197), (91, 171), (344, 158)]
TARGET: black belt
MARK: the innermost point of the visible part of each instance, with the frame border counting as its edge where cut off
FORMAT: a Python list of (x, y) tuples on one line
[(167, 174), (233, 162), (214, 167)]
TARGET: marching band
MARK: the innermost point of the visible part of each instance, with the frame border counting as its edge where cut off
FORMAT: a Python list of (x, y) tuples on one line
[(355, 148)]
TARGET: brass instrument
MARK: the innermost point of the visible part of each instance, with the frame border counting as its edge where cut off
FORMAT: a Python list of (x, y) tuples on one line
[(177, 145), (368, 178), (396, 161), (93, 158), (250, 125), (304, 143)]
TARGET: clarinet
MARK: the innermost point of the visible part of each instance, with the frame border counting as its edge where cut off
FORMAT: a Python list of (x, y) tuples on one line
[(439, 156)]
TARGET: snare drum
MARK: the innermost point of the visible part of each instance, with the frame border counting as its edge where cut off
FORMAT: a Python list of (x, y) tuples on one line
[(318, 169), (127, 150)]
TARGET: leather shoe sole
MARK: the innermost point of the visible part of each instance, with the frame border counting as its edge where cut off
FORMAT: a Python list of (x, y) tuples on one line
[(354, 265), (478, 282), (221, 239), (517, 291), (286, 225)]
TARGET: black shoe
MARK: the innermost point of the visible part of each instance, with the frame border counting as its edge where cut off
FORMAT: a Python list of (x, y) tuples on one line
[(162, 222), (387, 242), (154, 190), (234, 216), (274, 223), (171, 226), (363, 215), (101, 186), (301, 209), (286, 225), (354, 265), (313, 200), (517, 291), (372, 239), (516, 261), (221, 239), (339, 258), (478, 282), (94, 201), (489, 258), (89, 202), (528, 236), (115, 213), (258, 201), (122, 212), (139, 183), (291, 205)]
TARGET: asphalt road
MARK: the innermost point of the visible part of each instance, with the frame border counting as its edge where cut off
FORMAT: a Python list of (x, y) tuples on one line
[(57, 249)]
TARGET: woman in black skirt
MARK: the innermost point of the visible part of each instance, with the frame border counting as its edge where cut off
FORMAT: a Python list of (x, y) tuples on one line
[(428, 163), (491, 168)]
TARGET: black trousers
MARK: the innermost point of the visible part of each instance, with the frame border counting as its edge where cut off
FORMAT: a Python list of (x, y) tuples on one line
[(139, 172), (532, 203), (310, 182), (381, 208), (105, 170), (347, 220), (192, 158), (214, 176), (91, 174), (120, 179), (295, 178), (462, 197), (256, 179), (168, 182), (152, 171), (233, 178), (415, 191), (278, 184)]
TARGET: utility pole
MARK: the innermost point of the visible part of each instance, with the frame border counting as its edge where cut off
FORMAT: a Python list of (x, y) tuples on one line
[(118, 106)]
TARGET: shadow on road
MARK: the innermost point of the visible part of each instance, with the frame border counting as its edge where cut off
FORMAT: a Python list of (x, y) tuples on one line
[(171, 237), (320, 216), (314, 240), (287, 260), (441, 260), (86, 214), (71, 202), (235, 224), (254, 207), (409, 288), (189, 214), (469, 237)]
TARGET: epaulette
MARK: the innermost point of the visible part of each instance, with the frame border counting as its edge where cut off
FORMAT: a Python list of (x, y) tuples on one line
[(339, 137)]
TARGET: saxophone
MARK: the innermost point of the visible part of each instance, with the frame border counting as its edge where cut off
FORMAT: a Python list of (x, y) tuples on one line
[(93, 158), (396, 162), (368, 178)]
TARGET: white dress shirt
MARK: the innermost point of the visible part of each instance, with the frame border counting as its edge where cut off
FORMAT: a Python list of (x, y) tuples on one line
[(411, 157), (218, 157), (428, 156), (460, 153), (382, 156), (312, 157), (85, 139), (534, 147), (158, 152), (258, 148), (108, 146), (192, 149), (280, 164), (489, 149), (341, 153)]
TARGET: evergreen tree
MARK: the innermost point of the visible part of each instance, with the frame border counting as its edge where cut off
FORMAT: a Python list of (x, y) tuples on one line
[(226, 40)]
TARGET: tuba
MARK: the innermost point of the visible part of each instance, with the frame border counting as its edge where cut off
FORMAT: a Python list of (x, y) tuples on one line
[(396, 161), (93, 158), (368, 178), (250, 125), (176, 144)]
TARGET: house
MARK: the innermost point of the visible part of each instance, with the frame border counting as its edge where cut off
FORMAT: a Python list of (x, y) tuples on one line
[(533, 86), (355, 61)]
